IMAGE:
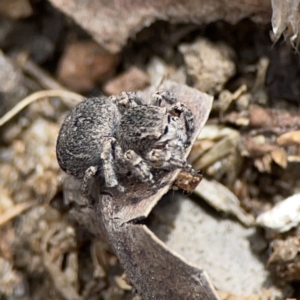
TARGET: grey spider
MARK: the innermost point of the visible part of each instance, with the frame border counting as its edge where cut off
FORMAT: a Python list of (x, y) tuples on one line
[(111, 136)]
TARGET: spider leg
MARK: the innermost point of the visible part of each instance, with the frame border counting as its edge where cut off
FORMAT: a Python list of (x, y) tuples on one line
[(133, 162), (138, 166), (167, 159), (176, 110), (107, 160), (127, 100), (85, 184), (158, 97), (106, 167)]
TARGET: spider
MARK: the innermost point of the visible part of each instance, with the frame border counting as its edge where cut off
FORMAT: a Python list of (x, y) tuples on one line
[(111, 136)]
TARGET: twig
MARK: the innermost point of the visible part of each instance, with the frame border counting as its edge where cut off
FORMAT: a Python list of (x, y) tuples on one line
[(44, 79), (15, 211), (69, 98)]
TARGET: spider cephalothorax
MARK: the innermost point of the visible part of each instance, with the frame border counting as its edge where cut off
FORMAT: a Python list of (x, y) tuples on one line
[(110, 136)]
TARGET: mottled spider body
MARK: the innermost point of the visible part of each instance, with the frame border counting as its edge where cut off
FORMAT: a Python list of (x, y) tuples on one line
[(82, 133), (111, 136), (142, 127)]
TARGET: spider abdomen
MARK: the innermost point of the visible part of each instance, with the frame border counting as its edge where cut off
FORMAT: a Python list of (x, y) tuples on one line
[(80, 139)]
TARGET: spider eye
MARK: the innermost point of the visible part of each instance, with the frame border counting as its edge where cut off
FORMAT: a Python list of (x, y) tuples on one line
[(166, 130)]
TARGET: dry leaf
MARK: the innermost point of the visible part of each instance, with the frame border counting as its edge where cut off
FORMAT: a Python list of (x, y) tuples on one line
[(222, 199), (283, 216), (279, 156), (289, 138), (111, 23)]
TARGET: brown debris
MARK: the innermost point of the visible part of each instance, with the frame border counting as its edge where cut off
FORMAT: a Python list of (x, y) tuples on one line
[(132, 79), (59, 245), (249, 165), (111, 24), (240, 119), (16, 9), (85, 63), (44, 79), (187, 181), (263, 164), (209, 65), (289, 138), (226, 98), (272, 119), (216, 151), (220, 149), (29, 175), (50, 247), (263, 296), (257, 145), (285, 258), (263, 147), (11, 280), (279, 156), (15, 211), (12, 87), (222, 199), (68, 98), (8, 237)]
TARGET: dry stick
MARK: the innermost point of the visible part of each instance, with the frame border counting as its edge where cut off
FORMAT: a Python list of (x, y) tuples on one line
[(76, 98), (15, 211), (45, 80), (40, 75)]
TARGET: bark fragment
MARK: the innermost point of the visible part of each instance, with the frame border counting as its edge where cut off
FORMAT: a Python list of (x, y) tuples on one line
[(156, 271), (111, 23)]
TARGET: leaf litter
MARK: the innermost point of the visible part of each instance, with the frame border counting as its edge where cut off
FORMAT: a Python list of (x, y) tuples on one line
[(54, 246)]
